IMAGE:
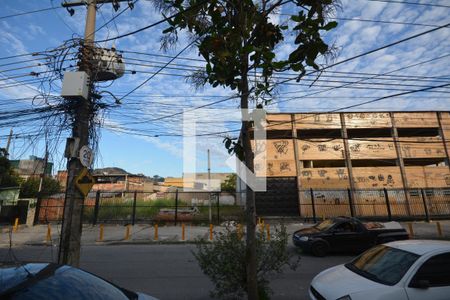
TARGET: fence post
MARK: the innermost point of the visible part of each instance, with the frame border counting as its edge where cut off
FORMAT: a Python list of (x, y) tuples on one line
[(313, 206), (176, 206), (218, 208), (388, 205), (96, 207), (350, 202), (424, 199)]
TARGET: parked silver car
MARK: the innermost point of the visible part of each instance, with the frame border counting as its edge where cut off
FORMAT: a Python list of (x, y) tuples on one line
[(401, 270)]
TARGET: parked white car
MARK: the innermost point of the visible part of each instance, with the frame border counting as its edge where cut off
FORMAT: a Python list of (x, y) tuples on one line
[(401, 270)]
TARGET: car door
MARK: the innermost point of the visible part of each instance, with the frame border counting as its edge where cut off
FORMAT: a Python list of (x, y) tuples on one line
[(344, 237), (432, 279)]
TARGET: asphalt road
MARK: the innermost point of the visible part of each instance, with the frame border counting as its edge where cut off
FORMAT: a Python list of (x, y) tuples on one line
[(170, 271)]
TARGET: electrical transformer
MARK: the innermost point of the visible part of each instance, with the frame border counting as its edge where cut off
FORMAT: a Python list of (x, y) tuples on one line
[(107, 64)]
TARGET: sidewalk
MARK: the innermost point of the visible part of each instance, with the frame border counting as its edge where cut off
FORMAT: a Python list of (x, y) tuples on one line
[(141, 233)]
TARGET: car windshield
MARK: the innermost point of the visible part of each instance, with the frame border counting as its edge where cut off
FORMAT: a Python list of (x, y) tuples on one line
[(383, 264), (57, 282), (324, 225)]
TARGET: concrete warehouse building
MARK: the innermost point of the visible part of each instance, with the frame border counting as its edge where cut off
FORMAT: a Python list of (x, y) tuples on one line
[(353, 157)]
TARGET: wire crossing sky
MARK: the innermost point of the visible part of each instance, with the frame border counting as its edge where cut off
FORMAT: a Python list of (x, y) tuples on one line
[(391, 55)]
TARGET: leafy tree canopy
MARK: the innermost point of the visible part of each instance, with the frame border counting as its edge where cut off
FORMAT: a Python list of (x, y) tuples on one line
[(237, 38), (229, 185), (8, 178), (30, 187), (228, 32)]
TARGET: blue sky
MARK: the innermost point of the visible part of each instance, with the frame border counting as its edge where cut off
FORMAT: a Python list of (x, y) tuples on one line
[(423, 57)]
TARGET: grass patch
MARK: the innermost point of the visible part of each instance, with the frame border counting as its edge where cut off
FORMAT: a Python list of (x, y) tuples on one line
[(121, 210)]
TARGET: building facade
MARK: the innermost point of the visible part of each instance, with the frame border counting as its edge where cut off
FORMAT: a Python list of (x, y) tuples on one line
[(341, 154), (33, 167), (198, 181), (115, 182)]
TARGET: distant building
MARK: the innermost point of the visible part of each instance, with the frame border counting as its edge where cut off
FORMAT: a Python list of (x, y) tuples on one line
[(32, 167), (122, 183), (197, 181), (114, 182), (180, 183), (204, 176)]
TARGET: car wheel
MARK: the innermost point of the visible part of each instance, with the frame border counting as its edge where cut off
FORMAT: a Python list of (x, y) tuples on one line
[(319, 248)]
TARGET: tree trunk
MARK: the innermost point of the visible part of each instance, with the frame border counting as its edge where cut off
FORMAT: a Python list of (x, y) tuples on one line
[(250, 213)]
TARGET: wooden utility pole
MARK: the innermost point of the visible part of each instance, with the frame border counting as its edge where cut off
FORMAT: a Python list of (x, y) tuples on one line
[(41, 182), (209, 187), (70, 242), (8, 143)]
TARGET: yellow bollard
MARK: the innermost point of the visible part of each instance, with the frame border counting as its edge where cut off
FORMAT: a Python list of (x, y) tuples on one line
[(439, 229), (239, 231), (48, 238), (127, 232), (210, 232), (100, 238), (16, 224), (182, 232), (411, 230), (268, 231), (156, 232)]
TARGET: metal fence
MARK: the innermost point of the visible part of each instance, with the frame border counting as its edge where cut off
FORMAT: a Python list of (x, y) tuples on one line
[(145, 207), (382, 204), (193, 207)]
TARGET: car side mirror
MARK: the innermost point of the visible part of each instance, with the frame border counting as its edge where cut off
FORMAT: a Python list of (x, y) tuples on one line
[(420, 284)]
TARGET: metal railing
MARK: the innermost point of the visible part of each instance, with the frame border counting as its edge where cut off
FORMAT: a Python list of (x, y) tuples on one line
[(176, 207), (145, 207), (381, 204)]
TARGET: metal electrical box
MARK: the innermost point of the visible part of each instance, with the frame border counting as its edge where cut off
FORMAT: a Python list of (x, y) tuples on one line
[(75, 85)]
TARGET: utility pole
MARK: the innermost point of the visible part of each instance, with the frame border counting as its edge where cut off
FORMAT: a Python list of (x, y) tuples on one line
[(70, 242), (44, 168), (209, 187), (41, 182), (8, 143)]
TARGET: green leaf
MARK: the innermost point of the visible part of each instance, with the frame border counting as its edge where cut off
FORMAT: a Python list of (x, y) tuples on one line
[(248, 49), (330, 26), (299, 18), (228, 143)]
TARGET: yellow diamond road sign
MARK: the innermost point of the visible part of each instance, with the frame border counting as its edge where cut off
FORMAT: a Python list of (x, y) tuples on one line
[(84, 182)]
